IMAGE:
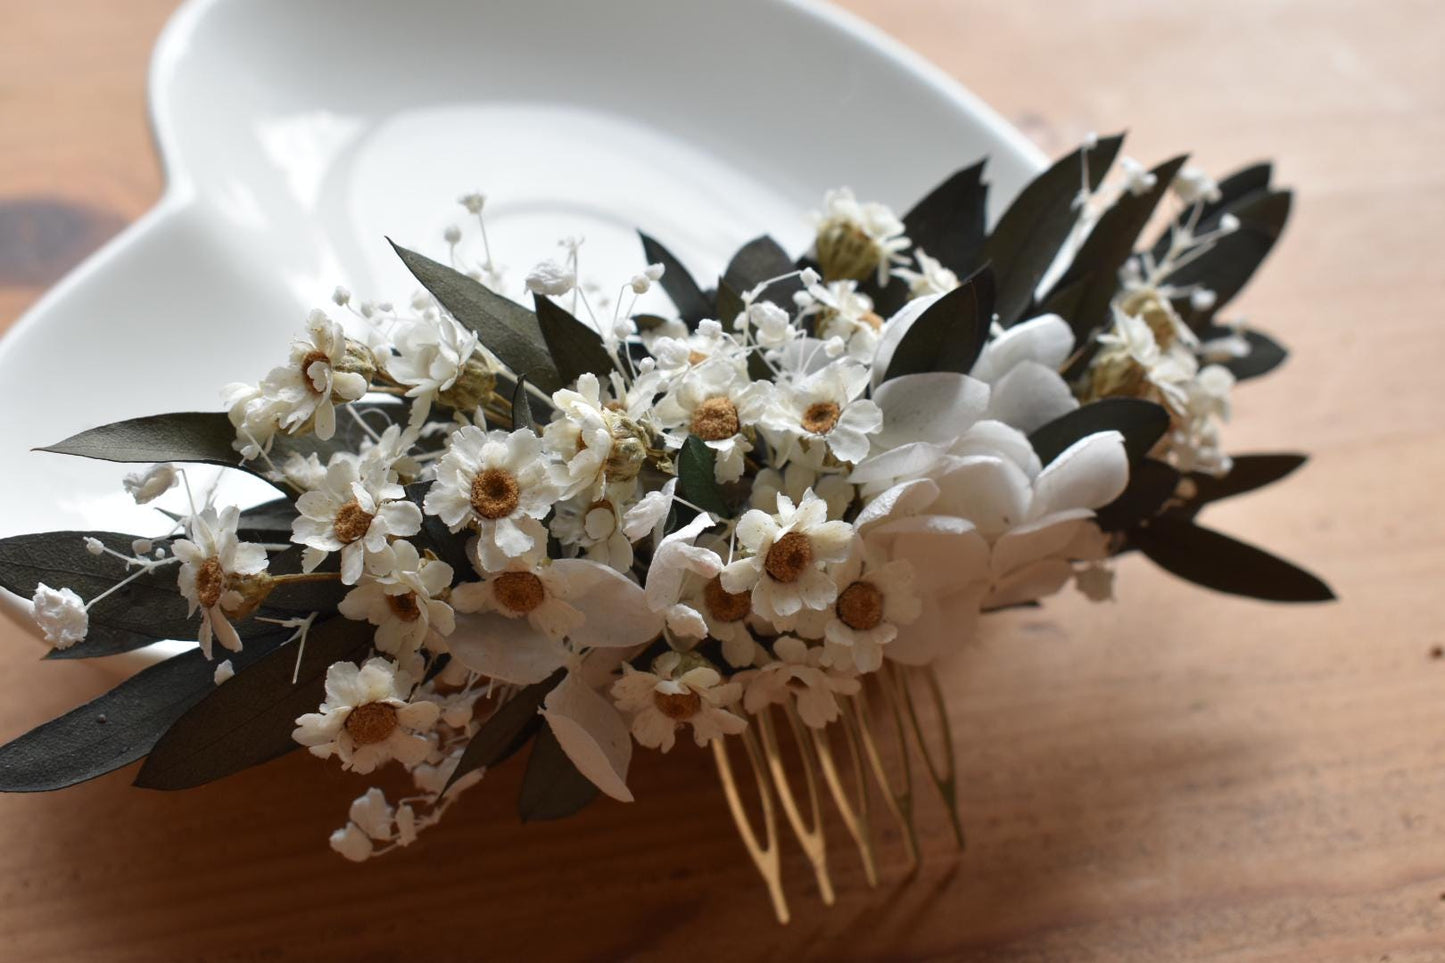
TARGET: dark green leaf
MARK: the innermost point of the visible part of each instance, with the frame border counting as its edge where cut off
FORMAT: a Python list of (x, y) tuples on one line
[(692, 305), (115, 729), (1265, 354), (576, 348), (186, 436), (1141, 422), (696, 477), (1232, 260), (759, 260), (950, 333), (507, 329), (522, 406), (1216, 561), (1030, 233), (248, 720), (1151, 484), (949, 224), (552, 787), (506, 730), (1248, 473), (1107, 247)]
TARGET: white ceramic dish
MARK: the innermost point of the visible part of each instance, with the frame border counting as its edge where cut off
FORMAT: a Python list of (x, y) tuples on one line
[(296, 134)]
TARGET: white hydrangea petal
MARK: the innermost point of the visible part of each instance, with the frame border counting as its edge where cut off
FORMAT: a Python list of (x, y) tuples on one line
[(1090, 473), (509, 650), (614, 608), (1046, 339), (1030, 396), (936, 407), (592, 733), (992, 493)]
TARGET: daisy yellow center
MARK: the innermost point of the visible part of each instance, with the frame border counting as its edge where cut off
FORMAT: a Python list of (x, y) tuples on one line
[(860, 606), (715, 419), (495, 493), (306, 364), (696, 357), (677, 706), (789, 557), (725, 606), (872, 319), (352, 522), (404, 606), (820, 417), (519, 592), (210, 582), (845, 250), (370, 723)]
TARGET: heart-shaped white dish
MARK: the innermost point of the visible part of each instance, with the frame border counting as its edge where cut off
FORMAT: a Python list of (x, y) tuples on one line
[(296, 134)]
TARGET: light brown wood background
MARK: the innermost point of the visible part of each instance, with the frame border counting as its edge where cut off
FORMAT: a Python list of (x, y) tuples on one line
[(1178, 776)]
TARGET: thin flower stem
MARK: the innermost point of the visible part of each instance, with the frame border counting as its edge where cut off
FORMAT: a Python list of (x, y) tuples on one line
[(299, 577)]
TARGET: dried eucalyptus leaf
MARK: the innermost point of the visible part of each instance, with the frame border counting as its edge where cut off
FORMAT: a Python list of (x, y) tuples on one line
[(696, 477), (1142, 423), (576, 348), (950, 333), (117, 728), (691, 303), (522, 407), (248, 720), (1248, 473), (507, 329), (552, 787), (1209, 558), (1107, 247), (1028, 236)]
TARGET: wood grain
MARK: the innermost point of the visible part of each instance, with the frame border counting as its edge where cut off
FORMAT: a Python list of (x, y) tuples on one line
[(1177, 776)]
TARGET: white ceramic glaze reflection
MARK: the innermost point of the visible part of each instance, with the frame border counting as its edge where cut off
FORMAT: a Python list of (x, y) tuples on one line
[(297, 134)]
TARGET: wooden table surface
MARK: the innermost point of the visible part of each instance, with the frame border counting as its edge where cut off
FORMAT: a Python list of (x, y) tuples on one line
[(1177, 776)]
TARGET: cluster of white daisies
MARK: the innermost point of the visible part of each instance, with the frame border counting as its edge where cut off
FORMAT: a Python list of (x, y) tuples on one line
[(879, 516)]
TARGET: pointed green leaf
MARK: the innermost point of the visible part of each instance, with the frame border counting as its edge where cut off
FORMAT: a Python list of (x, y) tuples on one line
[(185, 436), (248, 719), (522, 407), (696, 477), (950, 333), (1107, 247), (1265, 354), (552, 787), (692, 305), (1031, 232), (507, 329), (1216, 561), (576, 348), (1248, 473), (1142, 424), (117, 728)]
